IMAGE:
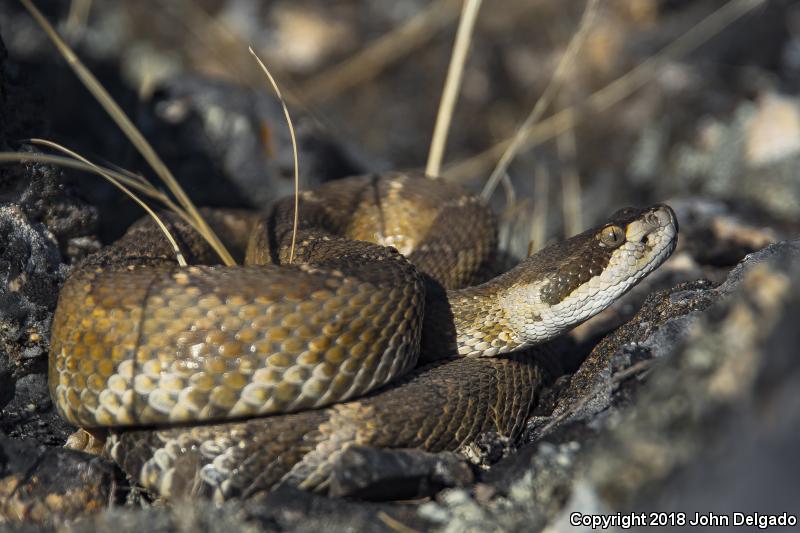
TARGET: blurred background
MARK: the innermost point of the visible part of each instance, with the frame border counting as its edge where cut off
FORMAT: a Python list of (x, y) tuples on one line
[(713, 113)]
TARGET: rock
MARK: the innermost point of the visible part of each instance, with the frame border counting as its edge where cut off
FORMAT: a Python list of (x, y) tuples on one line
[(286, 509), (30, 414), (727, 405), (32, 273), (44, 227), (376, 474), (46, 485)]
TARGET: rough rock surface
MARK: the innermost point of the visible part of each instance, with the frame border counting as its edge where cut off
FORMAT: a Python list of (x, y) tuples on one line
[(373, 474), (44, 227), (38, 482)]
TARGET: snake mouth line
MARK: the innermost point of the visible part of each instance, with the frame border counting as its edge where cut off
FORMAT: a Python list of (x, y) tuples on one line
[(660, 220)]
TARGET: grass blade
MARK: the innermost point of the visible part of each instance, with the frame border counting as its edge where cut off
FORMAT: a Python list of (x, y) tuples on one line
[(452, 84), (543, 102), (85, 164), (130, 131), (294, 152)]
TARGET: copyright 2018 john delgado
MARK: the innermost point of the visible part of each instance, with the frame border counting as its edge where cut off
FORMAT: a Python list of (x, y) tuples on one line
[(660, 519)]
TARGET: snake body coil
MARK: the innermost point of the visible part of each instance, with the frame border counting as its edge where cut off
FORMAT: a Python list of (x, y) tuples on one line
[(138, 341)]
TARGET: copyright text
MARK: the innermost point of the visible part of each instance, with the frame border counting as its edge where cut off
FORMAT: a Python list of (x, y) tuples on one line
[(629, 520)]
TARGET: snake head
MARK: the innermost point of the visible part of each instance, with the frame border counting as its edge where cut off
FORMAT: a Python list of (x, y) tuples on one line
[(571, 281), (650, 237)]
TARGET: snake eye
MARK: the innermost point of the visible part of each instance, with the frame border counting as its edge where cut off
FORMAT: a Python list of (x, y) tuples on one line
[(612, 236)]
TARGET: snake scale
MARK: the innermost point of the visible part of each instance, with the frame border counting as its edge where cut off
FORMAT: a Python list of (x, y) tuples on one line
[(226, 381)]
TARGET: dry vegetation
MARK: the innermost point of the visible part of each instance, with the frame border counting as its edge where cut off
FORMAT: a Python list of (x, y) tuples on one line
[(581, 84)]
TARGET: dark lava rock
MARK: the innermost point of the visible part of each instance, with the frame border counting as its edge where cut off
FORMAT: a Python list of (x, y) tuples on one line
[(30, 413), (376, 474), (40, 484), (31, 273), (43, 228)]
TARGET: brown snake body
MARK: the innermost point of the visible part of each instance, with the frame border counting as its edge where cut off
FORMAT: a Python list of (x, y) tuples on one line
[(138, 341)]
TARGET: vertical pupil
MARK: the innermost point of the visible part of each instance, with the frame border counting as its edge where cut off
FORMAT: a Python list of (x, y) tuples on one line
[(613, 235)]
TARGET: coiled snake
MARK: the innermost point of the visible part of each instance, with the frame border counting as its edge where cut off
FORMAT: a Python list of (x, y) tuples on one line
[(178, 361)]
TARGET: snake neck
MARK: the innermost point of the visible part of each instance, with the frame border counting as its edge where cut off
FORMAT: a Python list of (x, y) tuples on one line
[(468, 322)]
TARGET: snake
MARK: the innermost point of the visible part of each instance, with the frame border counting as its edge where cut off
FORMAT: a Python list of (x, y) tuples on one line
[(380, 327)]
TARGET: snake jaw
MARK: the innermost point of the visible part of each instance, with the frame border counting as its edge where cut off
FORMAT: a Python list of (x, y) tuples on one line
[(658, 218), (653, 237)]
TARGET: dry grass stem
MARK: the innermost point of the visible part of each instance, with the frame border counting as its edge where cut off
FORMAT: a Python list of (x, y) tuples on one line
[(294, 152), (118, 175), (541, 193), (612, 93), (130, 131), (394, 524), (570, 183), (541, 105), (378, 55), (76, 17), (85, 164), (137, 178), (509, 213), (127, 178), (511, 192), (452, 85), (66, 162)]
